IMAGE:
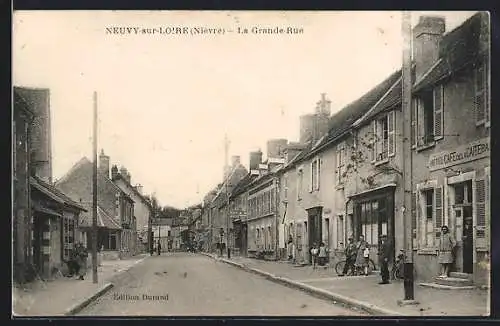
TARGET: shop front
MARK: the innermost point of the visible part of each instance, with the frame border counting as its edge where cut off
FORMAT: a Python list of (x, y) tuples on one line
[(373, 216)]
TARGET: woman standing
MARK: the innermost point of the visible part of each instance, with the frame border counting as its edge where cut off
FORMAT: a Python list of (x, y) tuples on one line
[(446, 246), (361, 261)]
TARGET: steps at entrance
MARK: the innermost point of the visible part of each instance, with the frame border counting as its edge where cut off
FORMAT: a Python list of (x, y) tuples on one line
[(460, 275), (453, 281)]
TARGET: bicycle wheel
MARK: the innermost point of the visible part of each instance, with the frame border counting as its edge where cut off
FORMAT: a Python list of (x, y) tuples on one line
[(371, 266), (339, 267)]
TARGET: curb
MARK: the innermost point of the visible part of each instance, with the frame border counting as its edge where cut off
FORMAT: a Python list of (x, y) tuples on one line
[(83, 304), (368, 307), (102, 291)]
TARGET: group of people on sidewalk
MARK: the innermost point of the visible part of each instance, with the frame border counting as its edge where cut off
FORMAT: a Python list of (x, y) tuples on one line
[(357, 255), (77, 263)]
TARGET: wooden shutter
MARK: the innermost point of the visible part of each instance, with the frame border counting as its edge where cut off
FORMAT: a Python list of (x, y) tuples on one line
[(438, 111), (487, 112), (318, 173), (480, 206), (373, 141), (414, 111), (487, 204), (414, 204), (311, 175), (391, 131), (479, 95), (438, 209)]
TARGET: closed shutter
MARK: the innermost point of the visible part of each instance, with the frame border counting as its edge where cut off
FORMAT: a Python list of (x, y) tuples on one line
[(438, 111), (373, 141), (414, 204), (480, 189), (311, 175), (487, 112), (318, 174), (479, 94), (438, 209), (414, 107), (391, 132), (487, 208)]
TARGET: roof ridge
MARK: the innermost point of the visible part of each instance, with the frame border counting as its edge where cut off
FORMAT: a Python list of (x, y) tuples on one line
[(77, 165)]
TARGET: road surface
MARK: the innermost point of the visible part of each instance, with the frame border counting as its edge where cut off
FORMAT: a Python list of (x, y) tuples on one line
[(182, 284)]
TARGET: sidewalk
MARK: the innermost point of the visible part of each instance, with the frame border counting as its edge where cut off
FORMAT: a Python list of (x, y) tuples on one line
[(366, 291), (59, 297)]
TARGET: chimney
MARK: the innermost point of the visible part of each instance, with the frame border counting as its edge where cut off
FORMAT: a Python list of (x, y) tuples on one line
[(114, 172), (128, 177), (38, 101), (104, 163), (426, 37), (138, 187), (324, 106), (124, 173), (306, 127), (235, 160), (275, 148), (255, 160), (292, 150)]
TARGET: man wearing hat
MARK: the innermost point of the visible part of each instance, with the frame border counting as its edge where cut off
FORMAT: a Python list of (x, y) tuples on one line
[(350, 256), (384, 253)]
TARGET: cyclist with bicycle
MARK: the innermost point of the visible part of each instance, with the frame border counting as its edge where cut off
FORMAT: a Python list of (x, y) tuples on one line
[(350, 257)]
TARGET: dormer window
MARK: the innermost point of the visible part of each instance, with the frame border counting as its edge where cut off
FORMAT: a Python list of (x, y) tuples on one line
[(427, 120)]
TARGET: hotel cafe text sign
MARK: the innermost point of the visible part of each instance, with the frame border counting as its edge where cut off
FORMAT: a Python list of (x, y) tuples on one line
[(461, 154)]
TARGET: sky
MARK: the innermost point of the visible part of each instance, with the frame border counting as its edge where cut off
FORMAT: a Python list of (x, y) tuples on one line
[(166, 101)]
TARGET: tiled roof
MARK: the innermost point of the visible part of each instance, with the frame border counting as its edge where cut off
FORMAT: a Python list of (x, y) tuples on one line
[(242, 185), (54, 193), (457, 49), (104, 220)]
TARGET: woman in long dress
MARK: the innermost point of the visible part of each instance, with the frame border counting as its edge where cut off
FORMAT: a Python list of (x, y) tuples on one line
[(446, 246), (360, 263)]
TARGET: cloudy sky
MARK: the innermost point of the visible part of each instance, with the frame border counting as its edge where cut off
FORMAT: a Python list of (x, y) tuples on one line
[(166, 101)]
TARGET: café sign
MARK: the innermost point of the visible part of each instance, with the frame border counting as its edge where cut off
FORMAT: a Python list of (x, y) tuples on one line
[(461, 154)]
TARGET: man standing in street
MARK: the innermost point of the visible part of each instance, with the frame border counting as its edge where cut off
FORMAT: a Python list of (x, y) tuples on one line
[(158, 247), (350, 257), (384, 252)]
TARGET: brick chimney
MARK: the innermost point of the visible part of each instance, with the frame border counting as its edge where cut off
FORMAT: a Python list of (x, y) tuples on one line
[(426, 37), (124, 173), (314, 126), (38, 101), (104, 163), (292, 150), (114, 172), (255, 160), (235, 160)]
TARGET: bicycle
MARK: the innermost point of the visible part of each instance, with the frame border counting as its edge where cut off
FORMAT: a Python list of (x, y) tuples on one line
[(397, 268), (339, 268)]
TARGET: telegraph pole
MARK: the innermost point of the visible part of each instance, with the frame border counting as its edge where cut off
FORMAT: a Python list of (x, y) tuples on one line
[(226, 151), (94, 197), (407, 160)]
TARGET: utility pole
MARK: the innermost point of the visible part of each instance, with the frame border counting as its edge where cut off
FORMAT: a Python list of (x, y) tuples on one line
[(94, 197), (226, 151), (407, 159)]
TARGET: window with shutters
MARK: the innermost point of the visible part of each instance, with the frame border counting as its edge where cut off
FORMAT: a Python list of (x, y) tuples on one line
[(384, 144), (315, 173), (428, 117), (340, 166), (414, 218), (480, 185), (68, 237), (481, 98), (428, 223), (300, 180)]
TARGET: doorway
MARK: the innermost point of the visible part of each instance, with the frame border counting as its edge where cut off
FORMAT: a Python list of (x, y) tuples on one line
[(464, 227), (315, 228), (244, 239)]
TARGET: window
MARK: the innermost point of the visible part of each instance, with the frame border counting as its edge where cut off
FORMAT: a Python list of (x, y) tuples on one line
[(269, 237), (300, 180), (384, 141), (315, 174), (68, 237), (112, 241), (428, 217), (285, 186), (429, 106), (340, 231), (374, 219), (341, 158), (481, 99), (298, 235)]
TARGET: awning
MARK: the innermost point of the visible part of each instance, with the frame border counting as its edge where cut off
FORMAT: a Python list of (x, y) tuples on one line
[(38, 208)]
